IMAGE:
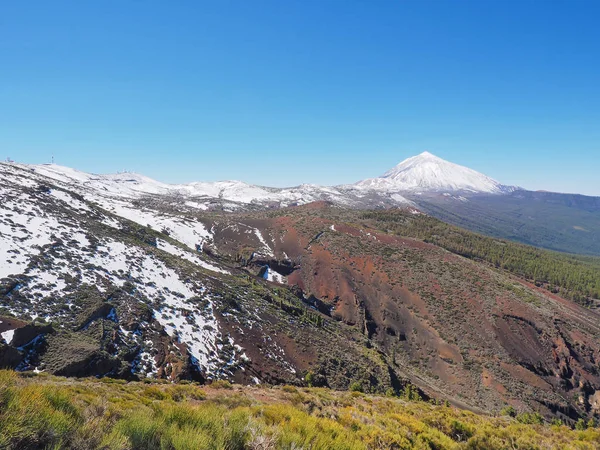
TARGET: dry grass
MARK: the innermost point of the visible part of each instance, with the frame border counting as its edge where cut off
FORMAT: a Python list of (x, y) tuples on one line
[(52, 412)]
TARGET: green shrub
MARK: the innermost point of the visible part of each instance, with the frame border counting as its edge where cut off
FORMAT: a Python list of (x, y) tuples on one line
[(531, 418), (309, 378), (156, 393), (355, 386), (508, 411), (411, 393), (221, 384)]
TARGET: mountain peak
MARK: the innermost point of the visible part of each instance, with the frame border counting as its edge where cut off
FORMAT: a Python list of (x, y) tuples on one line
[(429, 173)]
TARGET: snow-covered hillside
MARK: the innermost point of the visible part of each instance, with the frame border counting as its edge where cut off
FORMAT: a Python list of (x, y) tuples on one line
[(428, 173), (123, 276), (227, 195), (82, 252), (53, 244), (422, 173)]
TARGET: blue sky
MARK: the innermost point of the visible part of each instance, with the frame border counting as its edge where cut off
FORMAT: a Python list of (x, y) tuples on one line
[(319, 91)]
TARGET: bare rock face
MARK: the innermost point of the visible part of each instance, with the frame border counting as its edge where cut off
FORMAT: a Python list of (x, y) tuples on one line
[(594, 401), (28, 333)]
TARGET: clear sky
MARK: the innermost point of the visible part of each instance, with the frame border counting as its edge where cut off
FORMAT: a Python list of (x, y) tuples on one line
[(317, 91)]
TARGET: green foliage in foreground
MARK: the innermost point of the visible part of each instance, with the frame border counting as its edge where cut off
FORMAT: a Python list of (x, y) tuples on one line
[(574, 277), (51, 412)]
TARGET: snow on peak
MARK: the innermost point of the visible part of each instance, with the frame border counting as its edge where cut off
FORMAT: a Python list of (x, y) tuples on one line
[(427, 172), (124, 186)]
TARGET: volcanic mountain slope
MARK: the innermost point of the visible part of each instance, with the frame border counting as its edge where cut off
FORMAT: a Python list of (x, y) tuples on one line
[(461, 196), (563, 222), (453, 193), (428, 173), (135, 286), (457, 328), (84, 291)]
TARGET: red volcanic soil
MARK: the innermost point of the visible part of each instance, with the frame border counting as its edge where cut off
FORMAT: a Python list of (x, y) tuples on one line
[(457, 328), (8, 323), (443, 317)]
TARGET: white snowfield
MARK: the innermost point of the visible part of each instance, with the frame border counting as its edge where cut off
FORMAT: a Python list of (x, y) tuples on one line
[(8, 336), (190, 256)]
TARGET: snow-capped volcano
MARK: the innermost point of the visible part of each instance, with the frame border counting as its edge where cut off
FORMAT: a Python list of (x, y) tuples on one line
[(421, 173), (426, 172)]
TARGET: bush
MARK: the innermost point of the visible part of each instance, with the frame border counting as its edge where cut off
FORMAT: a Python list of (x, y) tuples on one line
[(309, 378), (508, 411), (180, 392), (155, 393), (411, 393), (531, 418), (221, 384), (459, 431), (355, 386)]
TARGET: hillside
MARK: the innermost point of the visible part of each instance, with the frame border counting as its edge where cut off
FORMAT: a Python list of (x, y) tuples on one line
[(133, 287), (453, 326), (563, 222), (84, 291), (574, 277), (89, 414)]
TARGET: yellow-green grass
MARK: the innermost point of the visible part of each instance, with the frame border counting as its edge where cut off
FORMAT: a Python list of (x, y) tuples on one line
[(51, 412)]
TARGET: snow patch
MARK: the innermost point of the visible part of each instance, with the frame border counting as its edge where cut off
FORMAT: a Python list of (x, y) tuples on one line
[(265, 250), (8, 336), (176, 251)]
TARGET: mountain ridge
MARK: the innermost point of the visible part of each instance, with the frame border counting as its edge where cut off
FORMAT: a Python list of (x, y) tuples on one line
[(385, 191), (562, 222), (429, 166)]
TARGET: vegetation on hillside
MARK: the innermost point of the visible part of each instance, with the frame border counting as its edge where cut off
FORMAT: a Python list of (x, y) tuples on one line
[(573, 277), (51, 412), (561, 222)]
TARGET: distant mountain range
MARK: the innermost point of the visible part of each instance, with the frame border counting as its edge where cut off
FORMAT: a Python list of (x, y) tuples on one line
[(454, 193), (424, 173)]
